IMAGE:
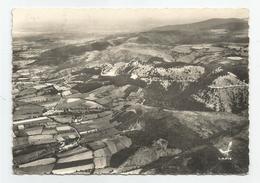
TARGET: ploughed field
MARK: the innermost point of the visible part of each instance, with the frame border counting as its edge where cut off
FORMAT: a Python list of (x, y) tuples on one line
[(132, 103)]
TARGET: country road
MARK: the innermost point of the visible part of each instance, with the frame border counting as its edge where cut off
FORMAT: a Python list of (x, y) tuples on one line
[(228, 86)]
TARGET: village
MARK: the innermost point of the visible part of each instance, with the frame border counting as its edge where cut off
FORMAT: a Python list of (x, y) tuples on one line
[(59, 130), (169, 100), (74, 121)]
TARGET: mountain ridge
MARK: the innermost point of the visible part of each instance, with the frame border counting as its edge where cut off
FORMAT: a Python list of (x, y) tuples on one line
[(203, 24)]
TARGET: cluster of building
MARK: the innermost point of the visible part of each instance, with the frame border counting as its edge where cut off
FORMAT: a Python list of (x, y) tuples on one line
[(44, 146), (58, 131)]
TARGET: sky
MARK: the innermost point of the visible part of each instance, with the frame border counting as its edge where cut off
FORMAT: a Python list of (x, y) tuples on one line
[(111, 20)]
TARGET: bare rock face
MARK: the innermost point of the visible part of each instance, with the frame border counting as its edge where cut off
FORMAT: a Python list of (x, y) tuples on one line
[(171, 100), (226, 93)]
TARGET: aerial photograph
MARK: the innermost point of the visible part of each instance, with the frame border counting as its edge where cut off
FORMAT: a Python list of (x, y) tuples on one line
[(130, 91)]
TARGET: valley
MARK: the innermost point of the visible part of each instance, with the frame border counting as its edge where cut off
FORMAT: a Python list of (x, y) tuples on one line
[(169, 100)]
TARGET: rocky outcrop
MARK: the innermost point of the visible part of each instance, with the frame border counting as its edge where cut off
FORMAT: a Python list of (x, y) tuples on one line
[(225, 93)]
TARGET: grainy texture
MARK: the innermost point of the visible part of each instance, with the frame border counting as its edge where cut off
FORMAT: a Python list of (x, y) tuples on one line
[(125, 91)]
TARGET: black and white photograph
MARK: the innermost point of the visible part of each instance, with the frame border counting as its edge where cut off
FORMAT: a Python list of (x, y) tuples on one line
[(123, 91)]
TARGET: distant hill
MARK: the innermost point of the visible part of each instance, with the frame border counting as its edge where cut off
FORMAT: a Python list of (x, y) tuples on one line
[(206, 25), (212, 30), (144, 45)]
